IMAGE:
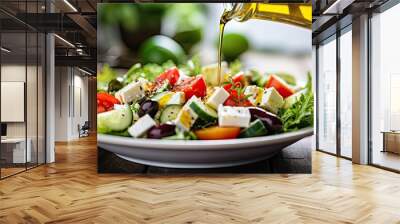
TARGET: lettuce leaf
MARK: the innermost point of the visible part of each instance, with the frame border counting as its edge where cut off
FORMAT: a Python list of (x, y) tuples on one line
[(148, 71), (104, 77), (301, 113)]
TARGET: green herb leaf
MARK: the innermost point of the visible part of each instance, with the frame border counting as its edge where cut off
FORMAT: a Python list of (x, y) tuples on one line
[(192, 67), (301, 113)]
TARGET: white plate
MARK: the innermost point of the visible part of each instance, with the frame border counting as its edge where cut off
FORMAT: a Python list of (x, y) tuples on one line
[(199, 153)]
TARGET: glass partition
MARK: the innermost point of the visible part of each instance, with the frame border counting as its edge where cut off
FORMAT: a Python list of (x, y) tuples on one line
[(31, 98), (22, 91), (15, 150), (327, 96)]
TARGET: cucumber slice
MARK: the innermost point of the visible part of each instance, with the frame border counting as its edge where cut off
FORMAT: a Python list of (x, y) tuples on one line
[(170, 113), (114, 120), (205, 112), (255, 129)]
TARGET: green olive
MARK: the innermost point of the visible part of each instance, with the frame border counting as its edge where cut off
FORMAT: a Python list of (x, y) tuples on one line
[(114, 85)]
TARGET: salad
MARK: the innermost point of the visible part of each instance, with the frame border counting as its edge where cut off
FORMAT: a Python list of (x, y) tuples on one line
[(186, 102)]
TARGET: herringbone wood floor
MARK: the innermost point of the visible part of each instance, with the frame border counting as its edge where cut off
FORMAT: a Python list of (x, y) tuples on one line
[(71, 191)]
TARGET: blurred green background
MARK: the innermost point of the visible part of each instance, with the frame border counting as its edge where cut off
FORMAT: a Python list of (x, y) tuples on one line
[(140, 30), (129, 33)]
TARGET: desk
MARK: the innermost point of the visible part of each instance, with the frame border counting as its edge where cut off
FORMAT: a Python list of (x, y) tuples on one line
[(18, 149)]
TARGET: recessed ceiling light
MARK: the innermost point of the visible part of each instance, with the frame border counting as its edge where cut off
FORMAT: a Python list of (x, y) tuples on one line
[(70, 5), (84, 71), (337, 7), (64, 40), (5, 50)]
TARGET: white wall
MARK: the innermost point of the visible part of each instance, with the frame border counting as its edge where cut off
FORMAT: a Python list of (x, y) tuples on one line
[(71, 102), (61, 103), (80, 98)]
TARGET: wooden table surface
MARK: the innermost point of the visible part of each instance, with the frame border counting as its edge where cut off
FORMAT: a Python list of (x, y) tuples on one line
[(293, 159)]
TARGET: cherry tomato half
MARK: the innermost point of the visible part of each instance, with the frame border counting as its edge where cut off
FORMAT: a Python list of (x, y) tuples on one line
[(172, 75), (105, 102), (280, 85), (193, 86)]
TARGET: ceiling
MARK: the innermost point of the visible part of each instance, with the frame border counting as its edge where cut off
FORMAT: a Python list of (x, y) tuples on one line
[(332, 15), (74, 22)]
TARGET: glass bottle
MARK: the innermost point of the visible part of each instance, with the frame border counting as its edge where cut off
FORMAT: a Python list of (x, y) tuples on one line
[(299, 14)]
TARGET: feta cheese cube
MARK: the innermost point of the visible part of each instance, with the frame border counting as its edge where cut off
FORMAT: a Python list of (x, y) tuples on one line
[(141, 126), (163, 98), (177, 98), (186, 117), (254, 94), (169, 98), (289, 101), (120, 106), (233, 116), (131, 92), (217, 97), (272, 100)]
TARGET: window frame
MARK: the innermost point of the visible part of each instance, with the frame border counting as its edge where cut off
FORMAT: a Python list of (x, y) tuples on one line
[(334, 37)]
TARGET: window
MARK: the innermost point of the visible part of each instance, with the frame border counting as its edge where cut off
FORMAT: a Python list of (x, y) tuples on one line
[(346, 93), (327, 96), (385, 89)]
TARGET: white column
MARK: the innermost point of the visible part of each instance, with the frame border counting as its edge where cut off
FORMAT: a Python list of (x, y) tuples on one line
[(50, 98), (50, 93), (360, 90)]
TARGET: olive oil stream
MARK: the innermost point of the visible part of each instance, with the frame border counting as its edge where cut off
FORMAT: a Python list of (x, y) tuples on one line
[(221, 37), (298, 14)]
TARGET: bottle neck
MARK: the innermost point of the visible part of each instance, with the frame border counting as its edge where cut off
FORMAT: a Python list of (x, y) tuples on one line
[(238, 11)]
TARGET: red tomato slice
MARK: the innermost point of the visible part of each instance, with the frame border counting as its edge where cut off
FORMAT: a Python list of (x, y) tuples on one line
[(239, 77), (172, 75), (100, 109), (280, 85), (234, 100), (227, 87), (105, 102), (107, 97), (193, 86)]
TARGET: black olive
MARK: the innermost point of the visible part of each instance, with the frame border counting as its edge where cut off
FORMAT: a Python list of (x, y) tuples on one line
[(161, 131), (148, 107), (272, 122)]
